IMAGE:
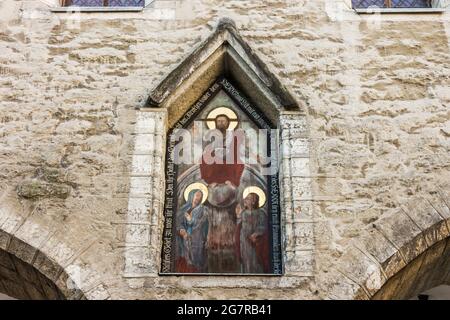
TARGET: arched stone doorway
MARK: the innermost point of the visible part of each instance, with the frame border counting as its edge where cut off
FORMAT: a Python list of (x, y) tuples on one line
[(402, 254), (429, 270), (37, 262)]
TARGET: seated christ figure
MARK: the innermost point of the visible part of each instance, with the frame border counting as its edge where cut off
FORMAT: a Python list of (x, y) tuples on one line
[(227, 166)]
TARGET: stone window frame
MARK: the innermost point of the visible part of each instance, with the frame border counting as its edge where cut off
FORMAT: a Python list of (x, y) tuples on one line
[(224, 85), (437, 6), (141, 232)]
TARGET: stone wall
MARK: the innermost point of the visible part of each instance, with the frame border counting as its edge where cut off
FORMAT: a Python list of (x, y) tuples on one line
[(375, 90)]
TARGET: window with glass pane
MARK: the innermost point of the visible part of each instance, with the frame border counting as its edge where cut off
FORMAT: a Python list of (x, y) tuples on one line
[(357, 4), (104, 3)]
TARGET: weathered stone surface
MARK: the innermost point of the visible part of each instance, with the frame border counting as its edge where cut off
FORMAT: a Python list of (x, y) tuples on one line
[(49, 268), (5, 260), (342, 288), (407, 279), (388, 291), (22, 250), (402, 231), (426, 278)]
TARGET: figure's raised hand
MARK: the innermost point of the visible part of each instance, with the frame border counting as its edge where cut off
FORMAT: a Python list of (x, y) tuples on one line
[(254, 238), (188, 216), (230, 184)]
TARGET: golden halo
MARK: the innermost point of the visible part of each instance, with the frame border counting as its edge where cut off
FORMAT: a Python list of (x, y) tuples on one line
[(196, 186), (258, 191), (211, 124)]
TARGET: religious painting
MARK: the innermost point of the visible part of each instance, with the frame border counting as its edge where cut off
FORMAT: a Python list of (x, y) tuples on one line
[(221, 198)]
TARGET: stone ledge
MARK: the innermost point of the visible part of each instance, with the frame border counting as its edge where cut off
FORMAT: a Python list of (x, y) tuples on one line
[(384, 252), (341, 288), (394, 241), (215, 281), (303, 248)]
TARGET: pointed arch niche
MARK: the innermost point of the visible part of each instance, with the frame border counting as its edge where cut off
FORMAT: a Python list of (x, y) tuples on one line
[(223, 61)]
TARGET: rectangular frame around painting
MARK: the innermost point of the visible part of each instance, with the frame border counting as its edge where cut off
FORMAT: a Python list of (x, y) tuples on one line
[(170, 204)]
